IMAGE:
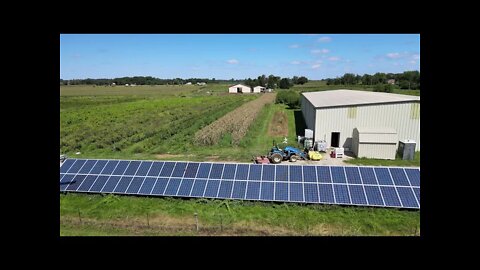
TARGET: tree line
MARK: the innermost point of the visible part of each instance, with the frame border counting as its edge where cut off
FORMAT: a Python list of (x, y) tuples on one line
[(270, 81), (405, 80)]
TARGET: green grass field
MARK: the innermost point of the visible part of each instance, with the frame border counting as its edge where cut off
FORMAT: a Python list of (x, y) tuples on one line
[(125, 215), (322, 86), (158, 122)]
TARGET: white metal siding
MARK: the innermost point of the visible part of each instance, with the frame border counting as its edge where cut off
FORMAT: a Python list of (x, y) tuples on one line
[(330, 120), (375, 150), (257, 89), (309, 114), (233, 89)]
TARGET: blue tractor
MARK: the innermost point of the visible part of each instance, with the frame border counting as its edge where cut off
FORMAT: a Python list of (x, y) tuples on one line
[(277, 155)]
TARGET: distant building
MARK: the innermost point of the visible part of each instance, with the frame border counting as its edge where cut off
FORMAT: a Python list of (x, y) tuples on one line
[(188, 83), (201, 83), (240, 88), (259, 89), (391, 81), (113, 84), (126, 84)]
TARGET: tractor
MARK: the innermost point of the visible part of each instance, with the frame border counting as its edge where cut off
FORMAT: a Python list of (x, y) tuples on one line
[(277, 155)]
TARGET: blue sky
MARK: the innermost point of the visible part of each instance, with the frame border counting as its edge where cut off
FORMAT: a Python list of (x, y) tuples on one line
[(239, 56)]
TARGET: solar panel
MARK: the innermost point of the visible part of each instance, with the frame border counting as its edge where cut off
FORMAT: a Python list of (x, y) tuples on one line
[(348, 185)]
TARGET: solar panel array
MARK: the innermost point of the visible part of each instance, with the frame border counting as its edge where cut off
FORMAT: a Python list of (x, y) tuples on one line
[(344, 185)]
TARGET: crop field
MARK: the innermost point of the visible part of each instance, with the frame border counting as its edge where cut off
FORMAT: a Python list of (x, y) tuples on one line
[(322, 86), (236, 122)]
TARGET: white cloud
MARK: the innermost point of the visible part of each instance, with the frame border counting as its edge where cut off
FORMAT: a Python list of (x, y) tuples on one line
[(416, 56), (394, 55), (294, 46), (315, 66), (233, 61), (295, 62), (324, 39), (318, 51), (412, 62), (334, 58)]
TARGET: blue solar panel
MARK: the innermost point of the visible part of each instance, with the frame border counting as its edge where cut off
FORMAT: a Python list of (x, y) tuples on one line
[(267, 191), (296, 174), (390, 196), (204, 170), (66, 180), (311, 193), (413, 176), (172, 186), (77, 166), (198, 188), (383, 176), (179, 169), (325, 192), (132, 168), (288, 183), (281, 173), (323, 173), (216, 172), (407, 197), (147, 185), (310, 174), (111, 165), (281, 191), (76, 181), (155, 169), (87, 167), (111, 184), (191, 170), (255, 172), (123, 184), (66, 165), (144, 168), (373, 195), (135, 185), (253, 190), (212, 188), (225, 190), (160, 186), (368, 176), (296, 192), (268, 173), (399, 177), (242, 172), (87, 183), (229, 171), (357, 194), (338, 175), (99, 183), (417, 193), (185, 187), (341, 194), (353, 175), (121, 167), (167, 169), (97, 169), (239, 189)]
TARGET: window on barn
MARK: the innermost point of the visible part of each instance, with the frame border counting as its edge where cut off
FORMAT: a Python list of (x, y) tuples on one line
[(352, 112), (415, 111)]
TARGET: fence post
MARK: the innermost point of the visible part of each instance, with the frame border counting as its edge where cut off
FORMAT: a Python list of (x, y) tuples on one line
[(221, 223), (148, 221), (79, 216), (196, 220)]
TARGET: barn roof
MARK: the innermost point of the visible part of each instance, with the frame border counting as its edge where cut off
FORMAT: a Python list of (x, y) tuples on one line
[(343, 97)]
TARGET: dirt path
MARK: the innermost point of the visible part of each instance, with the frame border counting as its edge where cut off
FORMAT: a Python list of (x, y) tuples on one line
[(279, 124)]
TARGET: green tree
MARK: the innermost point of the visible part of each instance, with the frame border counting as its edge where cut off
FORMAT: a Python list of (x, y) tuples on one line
[(302, 80), (285, 83)]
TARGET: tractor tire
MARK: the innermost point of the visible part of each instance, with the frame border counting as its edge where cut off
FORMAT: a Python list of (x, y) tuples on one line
[(293, 158), (276, 158)]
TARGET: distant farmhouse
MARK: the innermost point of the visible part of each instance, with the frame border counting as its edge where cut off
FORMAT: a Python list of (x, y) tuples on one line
[(240, 88), (391, 81)]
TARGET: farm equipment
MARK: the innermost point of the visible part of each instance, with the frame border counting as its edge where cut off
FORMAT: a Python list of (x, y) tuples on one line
[(277, 155), (314, 155), (261, 160)]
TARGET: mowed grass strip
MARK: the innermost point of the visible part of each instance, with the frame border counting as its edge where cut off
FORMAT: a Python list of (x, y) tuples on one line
[(84, 214)]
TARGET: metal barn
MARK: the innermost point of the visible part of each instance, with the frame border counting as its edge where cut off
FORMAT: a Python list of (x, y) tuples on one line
[(240, 88), (334, 114)]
